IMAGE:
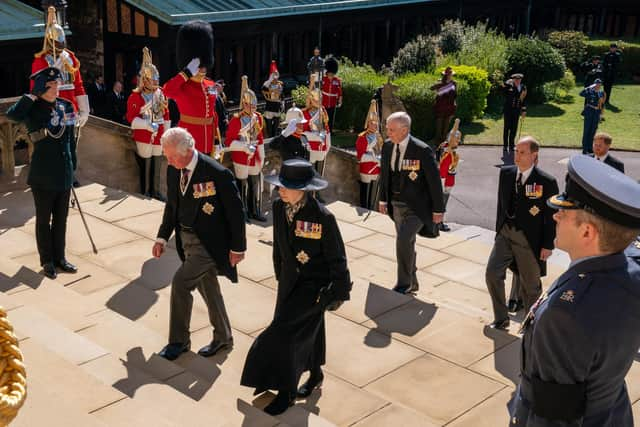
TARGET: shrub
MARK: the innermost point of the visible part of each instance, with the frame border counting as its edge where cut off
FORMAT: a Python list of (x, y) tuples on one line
[(416, 56), (479, 87), (630, 54), (560, 90), (571, 44), (451, 36), (299, 95), (537, 60), (359, 83)]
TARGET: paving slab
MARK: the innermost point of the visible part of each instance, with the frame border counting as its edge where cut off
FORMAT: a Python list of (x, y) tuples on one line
[(250, 306), (346, 212), (460, 270), (329, 402), (115, 209), (368, 300), (490, 413), (378, 223), (16, 208), (95, 191), (385, 246), (503, 365), (134, 261), (443, 241), (350, 232), (472, 250), (55, 337), (15, 277), (359, 355), (462, 296), (395, 414), (146, 225), (90, 277), (436, 388), (298, 416), (46, 367), (353, 253), (633, 381), (383, 271), (17, 242), (258, 264), (104, 235)]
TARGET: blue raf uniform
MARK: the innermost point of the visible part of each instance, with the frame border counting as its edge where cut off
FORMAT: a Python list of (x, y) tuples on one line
[(581, 337), (594, 103)]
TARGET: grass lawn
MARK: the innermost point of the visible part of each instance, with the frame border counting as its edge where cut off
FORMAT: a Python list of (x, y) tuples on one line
[(560, 125)]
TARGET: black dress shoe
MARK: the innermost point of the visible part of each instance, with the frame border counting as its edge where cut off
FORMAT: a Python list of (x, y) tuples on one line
[(500, 324), (50, 270), (401, 289), (173, 350), (512, 306), (314, 382), (281, 403), (66, 266), (259, 217), (444, 227), (214, 347)]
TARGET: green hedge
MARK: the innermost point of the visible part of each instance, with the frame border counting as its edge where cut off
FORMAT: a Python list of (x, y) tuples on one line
[(630, 55), (479, 86), (571, 44), (359, 84)]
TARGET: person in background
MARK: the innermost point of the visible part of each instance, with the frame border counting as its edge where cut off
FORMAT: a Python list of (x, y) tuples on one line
[(117, 104), (601, 145), (445, 105)]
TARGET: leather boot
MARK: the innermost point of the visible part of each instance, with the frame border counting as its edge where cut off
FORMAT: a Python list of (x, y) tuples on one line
[(281, 403)]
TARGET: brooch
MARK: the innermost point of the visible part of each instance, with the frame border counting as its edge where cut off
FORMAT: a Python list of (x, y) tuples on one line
[(302, 257), (207, 208), (413, 175), (534, 210)]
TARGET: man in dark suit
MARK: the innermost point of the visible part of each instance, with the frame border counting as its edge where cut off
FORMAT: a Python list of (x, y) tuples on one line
[(50, 121), (410, 193), (205, 211), (310, 263), (582, 336), (117, 104), (601, 145), (97, 96), (524, 229)]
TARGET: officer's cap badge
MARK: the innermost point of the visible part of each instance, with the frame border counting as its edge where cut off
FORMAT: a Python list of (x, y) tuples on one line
[(302, 257), (568, 296), (207, 208)]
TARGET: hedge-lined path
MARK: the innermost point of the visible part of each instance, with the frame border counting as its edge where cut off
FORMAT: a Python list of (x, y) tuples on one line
[(474, 197)]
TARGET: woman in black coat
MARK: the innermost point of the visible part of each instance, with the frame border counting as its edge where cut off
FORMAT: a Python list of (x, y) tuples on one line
[(311, 268)]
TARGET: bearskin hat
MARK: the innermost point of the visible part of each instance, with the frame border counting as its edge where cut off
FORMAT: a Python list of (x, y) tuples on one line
[(195, 40), (331, 65)]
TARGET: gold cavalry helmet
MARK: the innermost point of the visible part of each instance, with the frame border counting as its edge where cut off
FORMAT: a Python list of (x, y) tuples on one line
[(247, 96), (314, 97), (372, 115), (54, 38), (148, 71)]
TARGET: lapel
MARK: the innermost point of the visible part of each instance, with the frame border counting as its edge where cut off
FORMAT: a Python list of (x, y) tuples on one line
[(195, 178), (510, 182), (409, 154)]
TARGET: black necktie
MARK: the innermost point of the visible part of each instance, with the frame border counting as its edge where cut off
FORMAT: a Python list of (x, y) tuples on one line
[(519, 183), (396, 164), (184, 179)]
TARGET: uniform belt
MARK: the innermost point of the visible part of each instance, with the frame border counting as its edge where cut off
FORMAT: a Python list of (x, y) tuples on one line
[(593, 106), (329, 94), (193, 120)]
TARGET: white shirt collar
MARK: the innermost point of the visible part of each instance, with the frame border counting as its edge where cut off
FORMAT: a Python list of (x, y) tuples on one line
[(525, 174), (404, 143), (194, 160), (602, 158)]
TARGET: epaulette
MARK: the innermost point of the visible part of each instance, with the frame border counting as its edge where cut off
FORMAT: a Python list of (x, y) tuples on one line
[(236, 115), (363, 133)]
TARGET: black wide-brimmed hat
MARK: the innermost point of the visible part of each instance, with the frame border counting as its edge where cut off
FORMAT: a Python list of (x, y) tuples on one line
[(598, 188), (297, 174)]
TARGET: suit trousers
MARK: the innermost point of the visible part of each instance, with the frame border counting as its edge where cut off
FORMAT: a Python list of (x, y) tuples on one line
[(511, 118), (198, 271), (512, 244), (407, 226), (52, 209), (591, 121)]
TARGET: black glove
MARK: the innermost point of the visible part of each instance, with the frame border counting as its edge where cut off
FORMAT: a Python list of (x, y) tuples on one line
[(325, 296)]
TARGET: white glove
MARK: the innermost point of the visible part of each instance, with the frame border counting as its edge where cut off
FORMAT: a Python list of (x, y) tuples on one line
[(83, 109), (291, 127), (193, 66)]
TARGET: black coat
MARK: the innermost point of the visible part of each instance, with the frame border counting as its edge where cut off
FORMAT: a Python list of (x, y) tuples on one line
[(612, 161), (512, 102), (424, 194), (584, 336), (290, 147), (533, 216), (54, 159), (303, 264), (222, 230), (116, 108)]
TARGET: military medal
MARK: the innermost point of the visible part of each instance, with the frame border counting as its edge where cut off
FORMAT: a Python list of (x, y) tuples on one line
[(207, 208), (302, 257), (534, 210), (533, 191), (308, 230)]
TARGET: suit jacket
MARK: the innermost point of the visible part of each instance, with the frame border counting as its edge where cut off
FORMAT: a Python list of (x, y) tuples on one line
[(533, 216), (612, 161), (423, 194), (585, 334), (219, 222), (116, 107)]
